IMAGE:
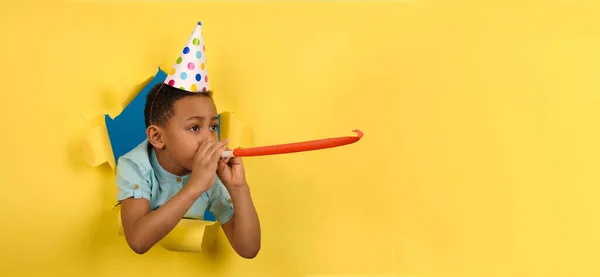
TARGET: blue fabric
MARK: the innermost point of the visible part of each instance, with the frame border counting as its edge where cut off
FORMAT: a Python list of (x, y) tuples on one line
[(128, 129)]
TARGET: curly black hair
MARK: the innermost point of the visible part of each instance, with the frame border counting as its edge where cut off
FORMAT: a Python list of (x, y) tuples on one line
[(160, 100)]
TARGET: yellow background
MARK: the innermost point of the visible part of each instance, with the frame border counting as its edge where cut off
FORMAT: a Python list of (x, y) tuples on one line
[(480, 155)]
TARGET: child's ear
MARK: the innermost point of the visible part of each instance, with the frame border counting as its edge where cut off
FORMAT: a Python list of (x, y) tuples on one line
[(154, 134)]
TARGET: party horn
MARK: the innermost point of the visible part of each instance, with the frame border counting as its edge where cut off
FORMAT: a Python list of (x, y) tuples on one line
[(292, 147)]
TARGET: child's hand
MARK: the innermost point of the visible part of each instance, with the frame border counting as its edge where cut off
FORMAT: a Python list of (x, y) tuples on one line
[(205, 164), (231, 172)]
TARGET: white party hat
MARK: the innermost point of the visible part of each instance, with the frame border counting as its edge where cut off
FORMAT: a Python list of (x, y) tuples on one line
[(190, 71)]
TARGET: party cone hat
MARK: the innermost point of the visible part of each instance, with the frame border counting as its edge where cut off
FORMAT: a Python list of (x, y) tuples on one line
[(190, 71)]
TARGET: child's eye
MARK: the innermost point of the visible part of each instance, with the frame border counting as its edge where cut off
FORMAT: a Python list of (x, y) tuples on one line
[(214, 127), (194, 128)]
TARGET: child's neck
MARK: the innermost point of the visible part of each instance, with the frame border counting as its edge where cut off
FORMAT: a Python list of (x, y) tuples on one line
[(168, 165)]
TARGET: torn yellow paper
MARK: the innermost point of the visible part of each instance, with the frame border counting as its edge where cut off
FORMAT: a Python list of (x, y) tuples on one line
[(238, 133), (190, 235), (96, 148)]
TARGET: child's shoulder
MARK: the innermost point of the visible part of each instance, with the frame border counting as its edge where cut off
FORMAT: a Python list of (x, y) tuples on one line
[(137, 157), (134, 174)]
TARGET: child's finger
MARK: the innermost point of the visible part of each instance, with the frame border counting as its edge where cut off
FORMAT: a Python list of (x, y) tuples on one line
[(236, 160)]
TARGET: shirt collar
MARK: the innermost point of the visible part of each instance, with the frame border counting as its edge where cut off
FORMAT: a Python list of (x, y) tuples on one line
[(162, 173)]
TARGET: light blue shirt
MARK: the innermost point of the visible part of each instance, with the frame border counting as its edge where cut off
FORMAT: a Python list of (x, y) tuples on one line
[(139, 175)]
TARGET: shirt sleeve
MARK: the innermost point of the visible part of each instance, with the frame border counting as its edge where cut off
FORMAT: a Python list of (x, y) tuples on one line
[(220, 203), (131, 181)]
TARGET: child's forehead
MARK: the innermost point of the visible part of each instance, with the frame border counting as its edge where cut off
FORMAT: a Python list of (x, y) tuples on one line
[(201, 107)]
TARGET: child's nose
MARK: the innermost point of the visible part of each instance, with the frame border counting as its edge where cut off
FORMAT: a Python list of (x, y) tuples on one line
[(207, 136)]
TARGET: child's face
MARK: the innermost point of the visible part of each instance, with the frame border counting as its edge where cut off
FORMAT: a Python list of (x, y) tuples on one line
[(194, 121)]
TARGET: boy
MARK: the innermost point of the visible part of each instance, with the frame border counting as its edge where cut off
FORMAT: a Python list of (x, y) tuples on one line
[(178, 170)]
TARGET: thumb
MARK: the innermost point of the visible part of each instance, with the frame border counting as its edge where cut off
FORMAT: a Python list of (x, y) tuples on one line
[(236, 161)]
